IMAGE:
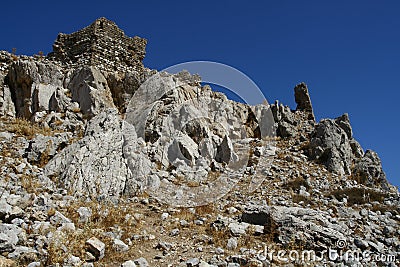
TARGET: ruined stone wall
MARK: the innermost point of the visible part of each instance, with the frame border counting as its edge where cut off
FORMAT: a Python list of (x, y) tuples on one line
[(101, 44)]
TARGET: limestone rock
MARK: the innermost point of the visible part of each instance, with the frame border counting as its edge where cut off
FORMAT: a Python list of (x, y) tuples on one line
[(344, 123), (96, 247), (7, 107), (330, 145), (128, 264), (224, 151), (141, 262), (84, 168), (284, 220), (369, 170), (33, 84), (9, 237), (46, 146), (89, 88), (302, 98), (123, 86)]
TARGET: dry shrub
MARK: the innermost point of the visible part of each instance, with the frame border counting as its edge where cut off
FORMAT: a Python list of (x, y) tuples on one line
[(105, 217)]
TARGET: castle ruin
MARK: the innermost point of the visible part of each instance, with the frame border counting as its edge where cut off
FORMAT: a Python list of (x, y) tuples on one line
[(101, 44)]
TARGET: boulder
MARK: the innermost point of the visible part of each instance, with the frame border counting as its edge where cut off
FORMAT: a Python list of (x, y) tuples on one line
[(282, 223), (368, 170), (122, 87), (329, 145), (89, 88), (84, 168), (9, 236), (46, 146)]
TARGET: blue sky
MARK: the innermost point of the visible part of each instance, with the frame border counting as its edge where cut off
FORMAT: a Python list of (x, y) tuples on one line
[(348, 52)]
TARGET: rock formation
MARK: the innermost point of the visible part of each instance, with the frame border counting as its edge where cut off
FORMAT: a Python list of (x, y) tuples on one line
[(103, 159)]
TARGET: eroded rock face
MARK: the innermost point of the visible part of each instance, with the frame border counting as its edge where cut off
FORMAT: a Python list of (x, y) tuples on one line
[(368, 170), (94, 165), (182, 144), (281, 222), (122, 87), (89, 88), (6, 104), (330, 145), (32, 85), (303, 100)]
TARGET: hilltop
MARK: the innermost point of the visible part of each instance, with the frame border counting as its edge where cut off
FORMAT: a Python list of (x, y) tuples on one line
[(106, 162)]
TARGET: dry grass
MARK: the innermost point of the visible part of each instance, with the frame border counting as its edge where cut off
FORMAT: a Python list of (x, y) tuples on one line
[(25, 128), (357, 195), (300, 198), (296, 183), (106, 217), (30, 183), (395, 210)]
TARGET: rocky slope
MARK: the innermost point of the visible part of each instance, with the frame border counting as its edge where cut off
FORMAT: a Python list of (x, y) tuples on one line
[(108, 163)]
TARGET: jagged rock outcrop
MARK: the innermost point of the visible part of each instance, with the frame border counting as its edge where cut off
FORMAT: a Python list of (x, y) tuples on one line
[(281, 223), (7, 107), (83, 168), (32, 85), (303, 100), (89, 89), (329, 144), (368, 170)]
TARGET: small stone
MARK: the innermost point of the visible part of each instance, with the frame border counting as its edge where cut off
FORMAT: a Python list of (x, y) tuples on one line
[(73, 261), (164, 216), (65, 227), (96, 247), (232, 243), (128, 264), (59, 218), (184, 223), (89, 257), (141, 262), (5, 209), (174, 232), (192, 262), (32, 264), (238, 228), (360, 243), (120, 245), (20, 168), (84, 214), (364, 212), (232, 210), (198, 222), (204, 264), (219, 251)]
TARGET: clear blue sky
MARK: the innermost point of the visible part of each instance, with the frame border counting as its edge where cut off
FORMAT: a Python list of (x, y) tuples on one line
[(348, 52)]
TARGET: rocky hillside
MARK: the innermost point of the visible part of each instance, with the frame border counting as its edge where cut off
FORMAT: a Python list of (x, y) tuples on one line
[(105, 162)]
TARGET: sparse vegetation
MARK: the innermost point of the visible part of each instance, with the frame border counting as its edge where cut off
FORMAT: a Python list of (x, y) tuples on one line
[(25, 128), (356, 195)]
